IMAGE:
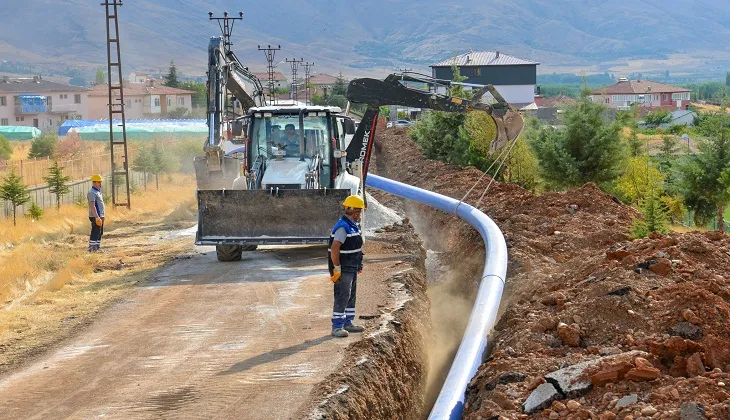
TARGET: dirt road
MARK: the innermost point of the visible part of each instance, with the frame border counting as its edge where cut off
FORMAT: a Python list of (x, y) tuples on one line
[(204, 340)]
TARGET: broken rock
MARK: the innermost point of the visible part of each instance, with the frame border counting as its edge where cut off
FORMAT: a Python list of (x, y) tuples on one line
[(662, 267), (692, 411), (644, 371), (541, 398), (691, 317), (570, 334), (612, 372), (627, 401), (686, 330), (695, 367)]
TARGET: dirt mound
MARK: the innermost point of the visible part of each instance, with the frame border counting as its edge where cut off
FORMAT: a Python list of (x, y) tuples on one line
[(579, 290)]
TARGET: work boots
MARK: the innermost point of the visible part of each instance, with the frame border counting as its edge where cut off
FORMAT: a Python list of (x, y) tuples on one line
[(340, 332), (354, 328)]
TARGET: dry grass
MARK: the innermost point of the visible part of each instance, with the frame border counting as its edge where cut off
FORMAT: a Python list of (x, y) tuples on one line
[(48, 281)]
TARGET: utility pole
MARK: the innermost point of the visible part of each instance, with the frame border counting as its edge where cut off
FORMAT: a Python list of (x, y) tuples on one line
[(270, 52), (307, 70), (294, 63), (118, 148), (226, 24)]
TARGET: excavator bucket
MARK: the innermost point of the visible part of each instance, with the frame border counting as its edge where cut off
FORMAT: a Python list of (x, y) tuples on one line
[(268, 217)]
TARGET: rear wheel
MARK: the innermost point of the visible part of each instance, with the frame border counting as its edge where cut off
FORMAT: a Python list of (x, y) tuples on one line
[(228, 252)]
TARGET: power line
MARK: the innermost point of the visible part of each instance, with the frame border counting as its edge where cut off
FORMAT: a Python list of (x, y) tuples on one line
[(307, 70), (294, 63), (270, 52)]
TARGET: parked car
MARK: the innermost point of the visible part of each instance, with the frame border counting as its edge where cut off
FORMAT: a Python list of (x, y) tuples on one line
[(402, 123)]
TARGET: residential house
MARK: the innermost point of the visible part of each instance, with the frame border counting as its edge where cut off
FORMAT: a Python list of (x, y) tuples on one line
[(513, 77), (325, 82), (138, 77), (147, 100), (41, 103), (644, 93), (280, 81)]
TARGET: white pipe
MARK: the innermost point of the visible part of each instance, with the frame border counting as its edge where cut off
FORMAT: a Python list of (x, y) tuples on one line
[(450, 402)]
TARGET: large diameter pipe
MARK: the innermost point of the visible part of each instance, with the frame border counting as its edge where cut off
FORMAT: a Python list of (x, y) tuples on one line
[(450, 402)]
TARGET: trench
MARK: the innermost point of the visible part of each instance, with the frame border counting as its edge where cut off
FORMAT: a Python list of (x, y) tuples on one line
[(454, 261)]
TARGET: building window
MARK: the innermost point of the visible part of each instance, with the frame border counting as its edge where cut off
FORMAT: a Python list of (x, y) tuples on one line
[(50, 122), (169, 101), (19, 119), (665, 97), (3, 101), (4, 121), (63, 96), (477, 71), (157, 101), (77, 99), (181, 101), (608, 100), (128, 103)]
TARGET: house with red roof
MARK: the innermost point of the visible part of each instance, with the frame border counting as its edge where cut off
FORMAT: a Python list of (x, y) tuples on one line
[(644, 93), (141, 100)]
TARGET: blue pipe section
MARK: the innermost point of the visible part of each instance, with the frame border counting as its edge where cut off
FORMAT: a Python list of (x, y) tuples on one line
[(450, 402)]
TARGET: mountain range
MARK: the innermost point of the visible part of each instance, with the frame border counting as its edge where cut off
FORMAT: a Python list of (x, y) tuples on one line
[(374, 36)]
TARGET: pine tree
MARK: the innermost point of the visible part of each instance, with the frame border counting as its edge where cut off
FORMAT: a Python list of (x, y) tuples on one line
[(700, 175), (171, 76), (144, 162), (100, 77), (655, 218), (162, 162), (57, 182), (588, 150), (43, 146), (35, 212), (13, 191)]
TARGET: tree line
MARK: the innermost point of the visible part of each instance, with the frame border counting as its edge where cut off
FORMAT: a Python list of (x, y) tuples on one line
[(589, 148)]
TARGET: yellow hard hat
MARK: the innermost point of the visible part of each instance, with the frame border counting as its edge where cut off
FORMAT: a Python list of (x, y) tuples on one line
[(354, 201), (96, 178)]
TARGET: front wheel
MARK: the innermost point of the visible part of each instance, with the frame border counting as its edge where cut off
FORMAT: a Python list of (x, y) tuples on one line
[(228, 252)]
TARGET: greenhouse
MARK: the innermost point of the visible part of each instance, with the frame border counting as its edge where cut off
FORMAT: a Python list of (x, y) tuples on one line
[(19, 132), (136, 129)]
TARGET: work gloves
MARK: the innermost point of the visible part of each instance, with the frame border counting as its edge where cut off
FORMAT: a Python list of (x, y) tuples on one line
[(99, 222), (336, 273)]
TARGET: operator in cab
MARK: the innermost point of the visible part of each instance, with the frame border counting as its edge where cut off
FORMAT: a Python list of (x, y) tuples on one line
[(345, 262), (291, 142)]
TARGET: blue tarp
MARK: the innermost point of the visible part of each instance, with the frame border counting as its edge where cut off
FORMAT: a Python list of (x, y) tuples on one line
[(32, 104)]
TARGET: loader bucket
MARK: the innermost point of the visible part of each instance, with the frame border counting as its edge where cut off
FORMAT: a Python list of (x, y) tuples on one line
[(268, 217)]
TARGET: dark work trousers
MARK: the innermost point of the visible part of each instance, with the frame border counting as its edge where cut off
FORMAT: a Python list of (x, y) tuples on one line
[(96, 233), (343, 312)]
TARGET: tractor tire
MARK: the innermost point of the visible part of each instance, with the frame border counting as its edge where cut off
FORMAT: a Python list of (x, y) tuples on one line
[(249, 247), (228, 252)]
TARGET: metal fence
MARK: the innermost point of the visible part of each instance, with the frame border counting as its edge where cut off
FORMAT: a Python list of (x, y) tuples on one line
[(33, 170), (41, 195)]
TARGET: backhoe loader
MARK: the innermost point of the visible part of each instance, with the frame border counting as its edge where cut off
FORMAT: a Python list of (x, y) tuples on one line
[(260, 185)]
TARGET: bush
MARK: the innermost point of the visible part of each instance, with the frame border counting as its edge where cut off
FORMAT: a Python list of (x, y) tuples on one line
[(6, 149), (43, 146), (35, 212), (655, 219)]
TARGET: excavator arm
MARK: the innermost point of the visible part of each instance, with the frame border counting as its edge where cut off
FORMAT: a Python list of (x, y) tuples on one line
[(392, 91)]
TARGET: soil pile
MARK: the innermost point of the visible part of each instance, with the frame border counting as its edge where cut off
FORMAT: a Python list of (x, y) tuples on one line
[(641, 325)]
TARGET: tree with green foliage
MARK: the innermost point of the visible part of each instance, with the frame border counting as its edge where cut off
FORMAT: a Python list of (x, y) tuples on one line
[(656, 118), (162, 162), (340, 87), (171, 76), (100, 77), (144, 162), (522, 167), (727, 79), (57, 182), (589, 149), (655, 218), (640, 179), (6, 149), (43, 146), (700, 176), (14, 192), (35, 212), (198, 98)]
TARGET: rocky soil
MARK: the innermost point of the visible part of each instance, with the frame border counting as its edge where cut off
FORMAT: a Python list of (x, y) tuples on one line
[(593, 325)]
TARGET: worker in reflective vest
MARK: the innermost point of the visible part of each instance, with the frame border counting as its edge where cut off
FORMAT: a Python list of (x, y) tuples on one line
[(345, 261)]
